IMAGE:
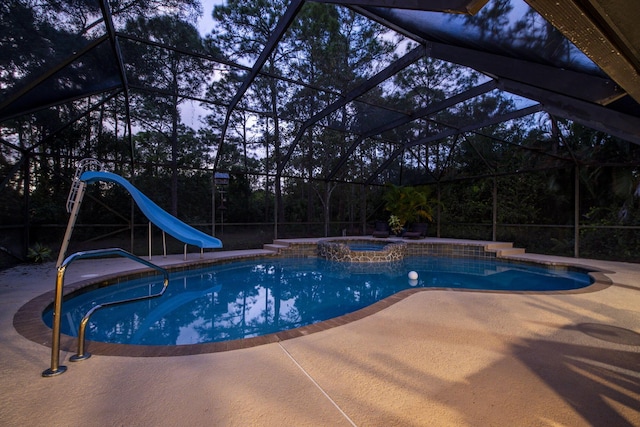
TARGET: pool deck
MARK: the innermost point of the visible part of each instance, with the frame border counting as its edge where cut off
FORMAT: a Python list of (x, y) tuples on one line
[(433, 358)]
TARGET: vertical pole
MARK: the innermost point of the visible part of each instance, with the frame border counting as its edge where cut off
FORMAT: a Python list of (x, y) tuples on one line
[(438, 189), (276, 206), (132, 225), (576, 213), (494, 220), (55, 368), (213, 204), (26, 232), (164, 245)]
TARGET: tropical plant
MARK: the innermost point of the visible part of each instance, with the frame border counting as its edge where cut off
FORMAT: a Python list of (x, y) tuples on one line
[(395, 224), (39, 253), (409, 204)]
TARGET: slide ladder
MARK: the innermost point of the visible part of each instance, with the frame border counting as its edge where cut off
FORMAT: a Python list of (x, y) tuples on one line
[(76, 184), (74, 200)]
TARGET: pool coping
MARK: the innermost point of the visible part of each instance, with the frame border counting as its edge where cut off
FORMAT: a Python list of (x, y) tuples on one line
[(28, 320)]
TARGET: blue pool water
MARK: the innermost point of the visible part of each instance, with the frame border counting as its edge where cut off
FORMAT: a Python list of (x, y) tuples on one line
[(250, 298), (366, 246)]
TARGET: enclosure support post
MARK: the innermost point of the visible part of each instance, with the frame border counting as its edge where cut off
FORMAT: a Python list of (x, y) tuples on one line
[(213, 203), (26, 233), (438, 189), (276, 206), (132, 224), (494, 220), (576, 213)]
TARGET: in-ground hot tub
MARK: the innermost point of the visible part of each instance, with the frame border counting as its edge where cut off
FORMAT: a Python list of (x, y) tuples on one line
[(361, 250)]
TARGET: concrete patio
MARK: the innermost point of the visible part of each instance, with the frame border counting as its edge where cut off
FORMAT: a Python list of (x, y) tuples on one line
[(434, 358)]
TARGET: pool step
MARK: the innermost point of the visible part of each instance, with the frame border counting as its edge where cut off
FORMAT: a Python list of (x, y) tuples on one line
[(504, 249), (510, 252), (275, 246)]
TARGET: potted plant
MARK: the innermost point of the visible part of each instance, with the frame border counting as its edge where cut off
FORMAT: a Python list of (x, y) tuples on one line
[(408, 205), (395, 225)]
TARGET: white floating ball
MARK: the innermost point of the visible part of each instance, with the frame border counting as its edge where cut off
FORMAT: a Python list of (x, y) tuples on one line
[(413, 275)]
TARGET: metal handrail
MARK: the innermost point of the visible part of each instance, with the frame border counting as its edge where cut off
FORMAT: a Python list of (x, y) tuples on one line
[(55, 368)]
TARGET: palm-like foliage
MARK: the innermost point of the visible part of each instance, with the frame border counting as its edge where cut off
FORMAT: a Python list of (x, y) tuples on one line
[(409, 204)]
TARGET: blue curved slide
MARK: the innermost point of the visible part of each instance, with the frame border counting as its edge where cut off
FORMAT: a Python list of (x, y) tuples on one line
[(161, 218)]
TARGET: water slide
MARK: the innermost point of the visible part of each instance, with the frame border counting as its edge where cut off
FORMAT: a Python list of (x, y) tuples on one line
[(158, 216)]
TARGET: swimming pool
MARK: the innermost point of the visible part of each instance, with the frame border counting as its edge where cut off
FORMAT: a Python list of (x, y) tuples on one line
[(245, 299)]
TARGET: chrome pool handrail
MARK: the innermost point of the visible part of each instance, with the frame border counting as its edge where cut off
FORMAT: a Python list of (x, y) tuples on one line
[(55, 368)]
